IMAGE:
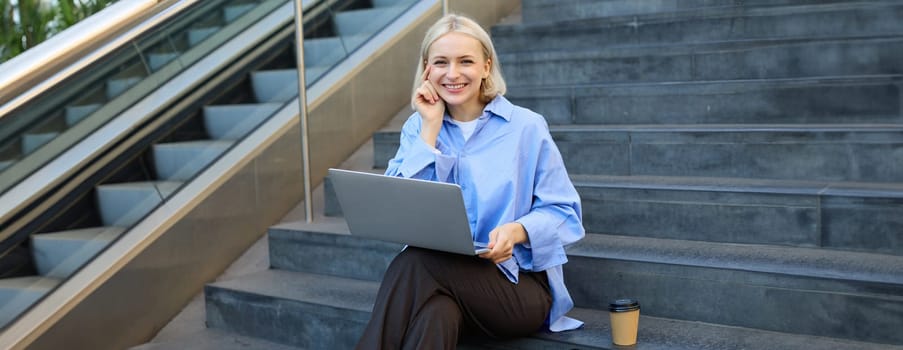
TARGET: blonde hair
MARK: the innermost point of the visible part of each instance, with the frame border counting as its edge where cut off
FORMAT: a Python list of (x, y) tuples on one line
[(492, 85)]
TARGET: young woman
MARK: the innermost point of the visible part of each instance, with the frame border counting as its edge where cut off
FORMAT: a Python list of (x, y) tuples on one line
[(518, 198)]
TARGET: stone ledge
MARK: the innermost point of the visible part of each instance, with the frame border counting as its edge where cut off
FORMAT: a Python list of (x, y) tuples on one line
[(654, 333)]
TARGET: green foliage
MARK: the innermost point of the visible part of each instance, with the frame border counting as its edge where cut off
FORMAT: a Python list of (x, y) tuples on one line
[(30, 22), (6, 26), (72, 11)]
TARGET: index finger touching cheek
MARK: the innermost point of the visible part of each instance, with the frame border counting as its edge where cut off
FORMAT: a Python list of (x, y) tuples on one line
[(426, 72)]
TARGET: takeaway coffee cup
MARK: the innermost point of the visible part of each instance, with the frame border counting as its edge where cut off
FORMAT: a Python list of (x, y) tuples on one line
[(625, 318)]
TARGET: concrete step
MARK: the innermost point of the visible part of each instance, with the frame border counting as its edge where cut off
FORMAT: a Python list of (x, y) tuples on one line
[(213, 339), (124, 204), (656, 333), (392, 3), (365, 21), (117, 86), (354, 27), (60, 254), (706, 24), (312, 73), (864, 153), (158, 60), (125, 77), (331, 205), (326, 51), (729, 60), (181, 161), (315, 248), (320, 54), (31, 142), (322, 51), (864, 99), (281, 85), (340, 255), (274, 86), (303, 310), (232, 122), (272, 304), (855, 296), (19, 293), (555, 10), (232, 12), (75, 114), (845, 216), (197, 35)]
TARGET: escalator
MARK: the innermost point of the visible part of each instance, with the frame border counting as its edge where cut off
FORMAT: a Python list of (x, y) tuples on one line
[(85, 161)]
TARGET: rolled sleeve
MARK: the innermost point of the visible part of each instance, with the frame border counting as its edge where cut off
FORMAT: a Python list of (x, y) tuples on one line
[(554, 219), (416, 159), (545, 248)]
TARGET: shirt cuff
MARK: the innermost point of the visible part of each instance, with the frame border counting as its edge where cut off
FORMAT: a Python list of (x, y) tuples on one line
[(524, 256), (545, 248), (510, 269)]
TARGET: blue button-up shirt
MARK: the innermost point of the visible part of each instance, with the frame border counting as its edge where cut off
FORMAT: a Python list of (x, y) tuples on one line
[(509, 171)]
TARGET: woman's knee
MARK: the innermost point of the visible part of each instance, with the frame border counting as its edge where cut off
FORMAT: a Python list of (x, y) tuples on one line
[(441, 309), (437, 325), (407, 259), (417, 258), (409, 265), (411, 254)]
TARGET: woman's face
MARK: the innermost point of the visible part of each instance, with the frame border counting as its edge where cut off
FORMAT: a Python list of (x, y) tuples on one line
[(457, 68)]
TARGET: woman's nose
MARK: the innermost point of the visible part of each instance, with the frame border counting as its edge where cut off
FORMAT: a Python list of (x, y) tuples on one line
[(452, 71)]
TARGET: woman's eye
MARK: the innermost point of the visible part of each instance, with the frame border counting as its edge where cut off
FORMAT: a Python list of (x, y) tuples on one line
[(438, 62), (467, 61)]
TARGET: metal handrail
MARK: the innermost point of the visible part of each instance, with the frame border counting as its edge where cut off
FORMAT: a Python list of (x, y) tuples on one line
[(302, 109), (37, 70)]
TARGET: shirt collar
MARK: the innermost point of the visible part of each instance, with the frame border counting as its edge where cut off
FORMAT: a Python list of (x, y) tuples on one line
[(499, 106)]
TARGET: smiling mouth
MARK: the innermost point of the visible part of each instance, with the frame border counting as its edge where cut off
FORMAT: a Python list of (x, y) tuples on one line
[(455, 86)]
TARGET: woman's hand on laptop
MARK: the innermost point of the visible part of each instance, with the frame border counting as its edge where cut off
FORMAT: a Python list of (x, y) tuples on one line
[(502, 240)]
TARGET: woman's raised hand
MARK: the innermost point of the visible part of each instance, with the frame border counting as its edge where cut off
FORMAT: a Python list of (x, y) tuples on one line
[(431, 108)]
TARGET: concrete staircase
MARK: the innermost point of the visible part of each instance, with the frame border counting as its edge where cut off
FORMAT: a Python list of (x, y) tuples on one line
[(739, 166)]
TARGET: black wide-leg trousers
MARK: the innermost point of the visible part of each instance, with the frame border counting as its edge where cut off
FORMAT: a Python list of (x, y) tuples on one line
[(429, 298)]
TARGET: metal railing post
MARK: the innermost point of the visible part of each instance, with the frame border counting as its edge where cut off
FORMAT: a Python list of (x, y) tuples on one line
[(302, 111)]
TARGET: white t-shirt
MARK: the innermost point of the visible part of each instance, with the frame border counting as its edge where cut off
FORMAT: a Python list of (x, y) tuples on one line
[(467, 128)]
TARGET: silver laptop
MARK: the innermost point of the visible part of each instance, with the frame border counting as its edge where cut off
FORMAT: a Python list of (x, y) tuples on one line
[(418, 213)]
